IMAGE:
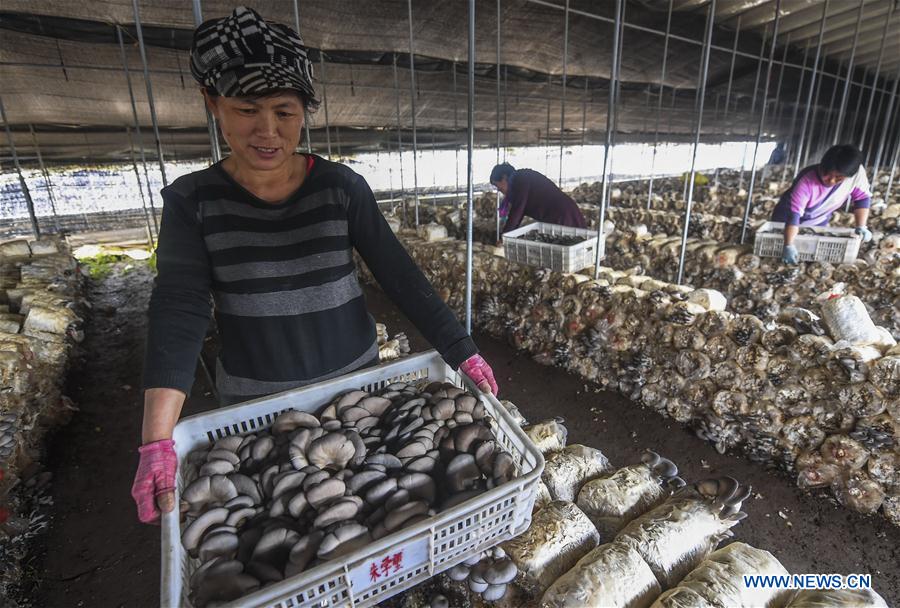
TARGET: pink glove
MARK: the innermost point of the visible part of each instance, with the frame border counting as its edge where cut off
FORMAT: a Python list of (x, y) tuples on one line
[(155, 477), (476, 368)]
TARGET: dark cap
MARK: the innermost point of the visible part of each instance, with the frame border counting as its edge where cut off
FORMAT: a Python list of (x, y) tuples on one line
[(243, 54)]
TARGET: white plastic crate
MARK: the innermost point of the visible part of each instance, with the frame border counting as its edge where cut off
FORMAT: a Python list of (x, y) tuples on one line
[(562, 258), (428, 547), (769, 243)]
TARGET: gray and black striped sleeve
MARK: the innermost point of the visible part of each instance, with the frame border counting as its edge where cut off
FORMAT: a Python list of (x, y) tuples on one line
[(402, 280), (180, 305)]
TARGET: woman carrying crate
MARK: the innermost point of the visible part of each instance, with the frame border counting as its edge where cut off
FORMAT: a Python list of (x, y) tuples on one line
[(820, 190), (527, 192), (269, 234)]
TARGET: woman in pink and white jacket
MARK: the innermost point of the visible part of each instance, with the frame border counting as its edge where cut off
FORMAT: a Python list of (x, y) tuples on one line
[(820, 190)]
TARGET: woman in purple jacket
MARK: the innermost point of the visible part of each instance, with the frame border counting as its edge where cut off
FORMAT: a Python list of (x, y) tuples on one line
[(820, 190)]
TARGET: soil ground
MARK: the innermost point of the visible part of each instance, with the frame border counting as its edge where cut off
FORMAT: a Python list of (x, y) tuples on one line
[(97, 554)]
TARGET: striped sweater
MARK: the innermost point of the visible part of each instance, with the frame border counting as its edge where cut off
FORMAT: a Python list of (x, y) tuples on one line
[(288, 305)]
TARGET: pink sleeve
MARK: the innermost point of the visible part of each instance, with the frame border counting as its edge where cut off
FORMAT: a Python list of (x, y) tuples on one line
[(801, 196), (861, 190)]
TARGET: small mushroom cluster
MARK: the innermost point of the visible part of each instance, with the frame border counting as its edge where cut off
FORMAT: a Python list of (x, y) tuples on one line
[(266, 506), (486, 574)]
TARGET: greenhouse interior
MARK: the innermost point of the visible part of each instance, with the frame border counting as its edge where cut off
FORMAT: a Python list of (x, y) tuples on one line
[(517, 303)]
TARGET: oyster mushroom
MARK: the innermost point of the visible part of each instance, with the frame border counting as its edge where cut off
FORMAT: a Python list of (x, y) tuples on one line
[(190, 537), (302, 553), (462, 473), (206, 491), (325, 492), (290, 420), (342, 510), (331, 451), (274, 547), (343, 539)]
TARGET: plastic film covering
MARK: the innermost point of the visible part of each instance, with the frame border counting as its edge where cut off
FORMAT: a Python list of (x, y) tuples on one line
[(613, 574), (559, 536), (837, 598), (719, 578), (568, 469), (676, 536), (548, 435), (611, 502)]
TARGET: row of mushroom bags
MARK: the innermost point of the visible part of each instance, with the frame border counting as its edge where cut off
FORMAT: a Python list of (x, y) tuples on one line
[(814, 392), (639, 537), (42, 305)]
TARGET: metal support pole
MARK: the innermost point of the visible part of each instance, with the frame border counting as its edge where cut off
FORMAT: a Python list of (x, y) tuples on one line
[(455, 126), (888, 114), (412, 102), (565, 74), (497, 205), (470, 177), (29, 202), (137, 177), (704, 70), (776, 108), (46, 174), (584, 104), (305, 117), (150, 103), (890, 184), (610, 122), (812, 86), (788, 149), (734, 50), (662, 84), (814, 119), (547, 131), (884, 37), (828, 116), (214, 148), (325, 102), (762, 120), (399, 128), (137, 128), (846, 94), (762, 50)]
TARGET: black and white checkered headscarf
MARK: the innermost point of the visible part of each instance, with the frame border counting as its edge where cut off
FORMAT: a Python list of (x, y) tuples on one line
[(243, 55)]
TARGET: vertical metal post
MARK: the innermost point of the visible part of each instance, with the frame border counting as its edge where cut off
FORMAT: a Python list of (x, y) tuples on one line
[(762, 120), (505, 106), (325, 102), (610, 122), (547, 131), (704, 70), (829, 115), (150, 103), (470, 177), (762, 51), (737, 35), (814, 119), (399, 128), (497, 205), (788, 149), (584, 104), (890, 184), (46, 174), (565, 74), (433, 176), (662, 84), (137, 128), (305, 117), (455, 129), (812, 86), (412, 101), (846, 93), (29, 202), (137, 177), (776, 108), (884, 37), (888, 114), (214, 148)]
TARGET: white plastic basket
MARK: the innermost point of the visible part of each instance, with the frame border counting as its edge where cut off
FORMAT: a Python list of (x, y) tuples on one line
[(769, 243), (428, 547), (561, 258)]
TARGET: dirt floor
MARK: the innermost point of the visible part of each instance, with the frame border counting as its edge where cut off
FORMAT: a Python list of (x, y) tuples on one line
[(97, 554)]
